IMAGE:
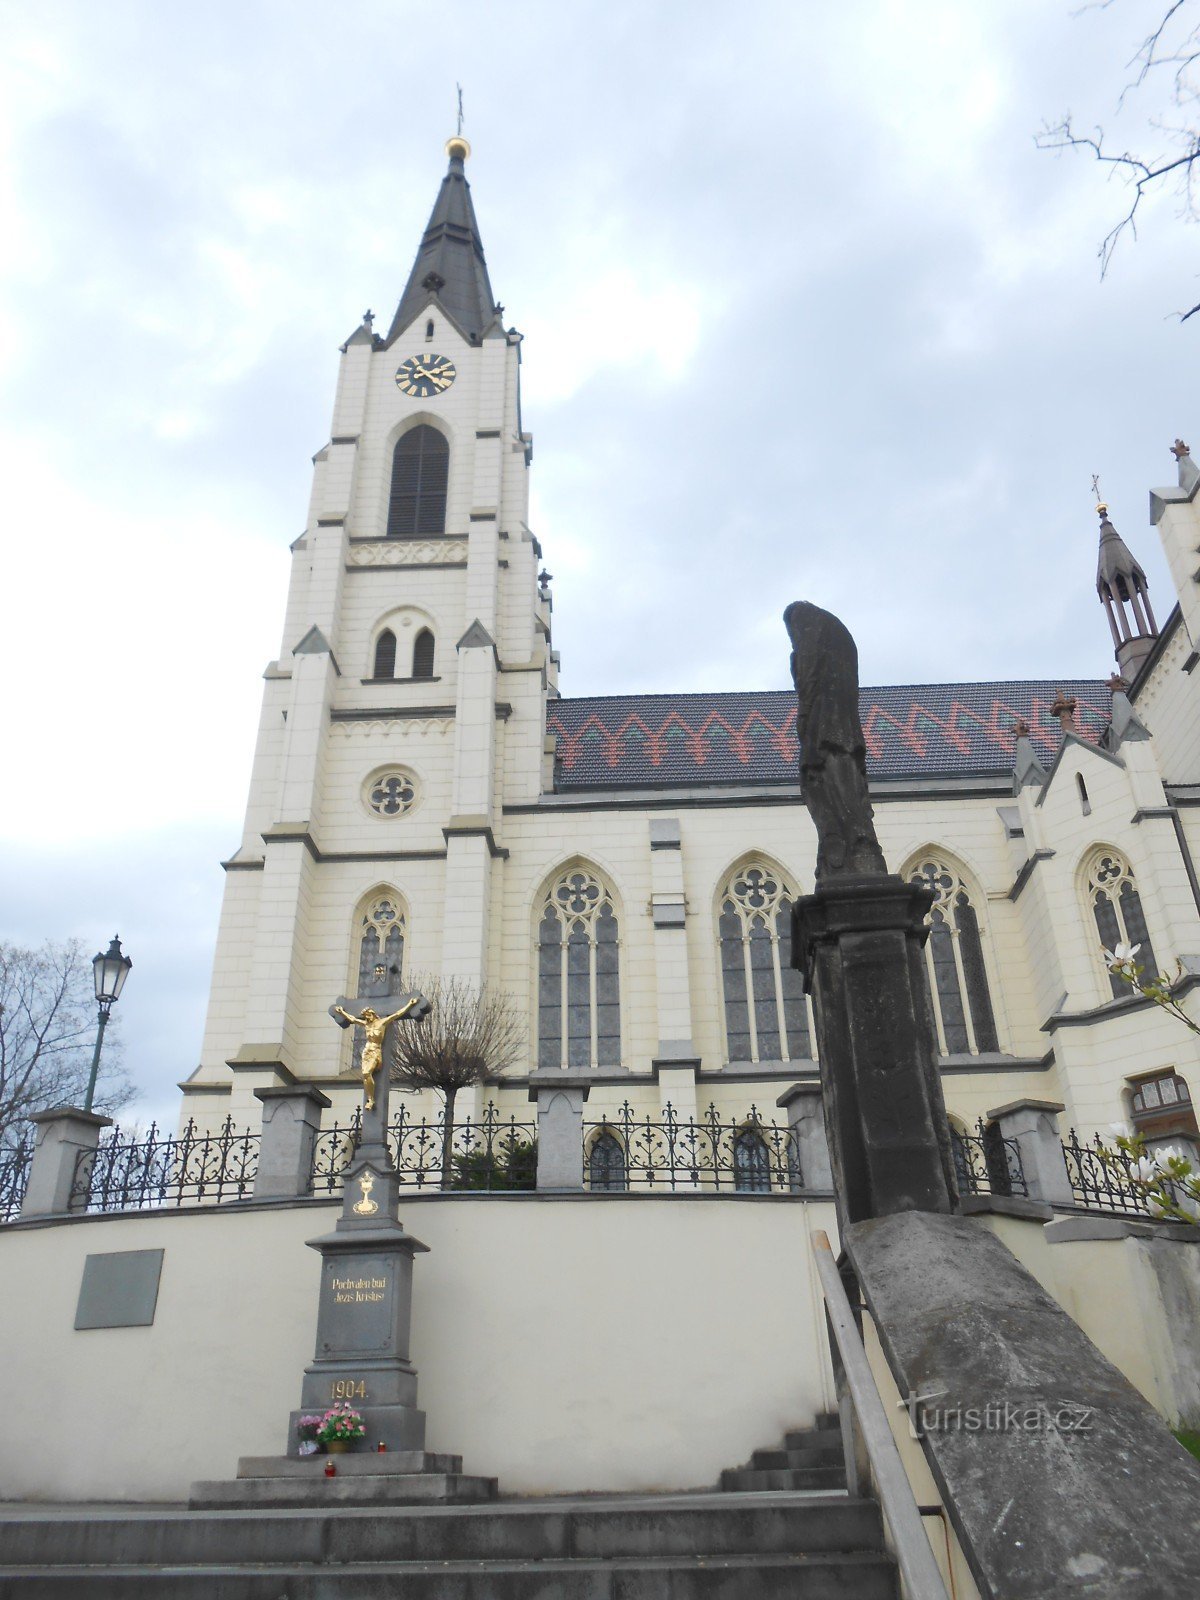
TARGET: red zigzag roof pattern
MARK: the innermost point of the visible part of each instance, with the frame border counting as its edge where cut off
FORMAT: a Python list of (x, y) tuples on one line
[(954, 729)]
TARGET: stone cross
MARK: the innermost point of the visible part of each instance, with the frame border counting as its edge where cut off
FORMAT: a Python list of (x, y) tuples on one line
[(372, 1149)]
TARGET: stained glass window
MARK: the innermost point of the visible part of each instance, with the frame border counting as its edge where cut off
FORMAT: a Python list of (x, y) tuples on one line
[(962, 1005), (766, 1014), (1117, 909), (579, 1004)]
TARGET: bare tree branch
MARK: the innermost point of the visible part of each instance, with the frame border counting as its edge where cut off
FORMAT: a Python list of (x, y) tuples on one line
[(471, 1034), (47, 1030), (1163, 47)]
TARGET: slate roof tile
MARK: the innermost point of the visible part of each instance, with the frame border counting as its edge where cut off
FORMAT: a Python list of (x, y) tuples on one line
[(911, 730)]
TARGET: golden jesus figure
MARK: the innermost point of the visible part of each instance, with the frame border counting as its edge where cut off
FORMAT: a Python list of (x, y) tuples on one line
[(374, 1027)]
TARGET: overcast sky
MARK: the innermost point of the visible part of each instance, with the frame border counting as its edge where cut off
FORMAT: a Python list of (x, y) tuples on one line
[(806, 315)]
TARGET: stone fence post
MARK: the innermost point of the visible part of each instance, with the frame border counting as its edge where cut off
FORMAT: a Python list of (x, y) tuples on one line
[(62, 1136), (1033, 1127), (560, 1096), (806, 1123), (291, 1120)]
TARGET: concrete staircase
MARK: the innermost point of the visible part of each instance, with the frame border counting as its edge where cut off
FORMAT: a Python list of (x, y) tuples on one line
[(809, 1458), (710, 1546)]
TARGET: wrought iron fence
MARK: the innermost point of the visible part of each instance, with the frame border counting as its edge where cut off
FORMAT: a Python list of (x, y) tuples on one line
[(490, 1152), (132, 1174), (14, 1174), (987, 1163), (1102, 1179), (673, 1153)]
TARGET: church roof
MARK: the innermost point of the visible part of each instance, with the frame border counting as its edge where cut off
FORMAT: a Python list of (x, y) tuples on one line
[(928, 730), (450, 266)]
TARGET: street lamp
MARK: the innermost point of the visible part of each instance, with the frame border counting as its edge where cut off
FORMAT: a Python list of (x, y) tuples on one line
[(109, 970)]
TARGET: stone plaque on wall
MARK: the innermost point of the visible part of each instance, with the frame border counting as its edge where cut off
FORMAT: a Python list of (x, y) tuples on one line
[(119, 1289)]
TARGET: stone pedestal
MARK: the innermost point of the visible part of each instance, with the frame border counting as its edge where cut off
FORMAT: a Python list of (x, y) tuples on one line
[(63, 1136), (1033, 1127), (560, 1097), (858, 941), (291, 1120), (805, 1109)]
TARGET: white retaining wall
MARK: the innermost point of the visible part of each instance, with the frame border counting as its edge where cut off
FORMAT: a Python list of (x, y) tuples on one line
[(562, 1344)]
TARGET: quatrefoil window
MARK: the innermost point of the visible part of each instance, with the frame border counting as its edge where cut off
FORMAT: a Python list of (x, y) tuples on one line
[(391, 793)]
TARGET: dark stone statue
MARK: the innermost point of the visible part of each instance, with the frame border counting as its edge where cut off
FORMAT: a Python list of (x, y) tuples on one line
[(833, 754)]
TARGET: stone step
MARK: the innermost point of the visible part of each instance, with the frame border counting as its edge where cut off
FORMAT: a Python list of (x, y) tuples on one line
[(370, 1462), (749, 1480), (600, 1528), (819, 1438), (360, 1488), (808, 1457), (822, 1576)]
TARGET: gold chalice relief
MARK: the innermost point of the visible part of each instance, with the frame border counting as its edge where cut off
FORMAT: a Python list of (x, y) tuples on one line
[(366, 1207), (374, 1027)]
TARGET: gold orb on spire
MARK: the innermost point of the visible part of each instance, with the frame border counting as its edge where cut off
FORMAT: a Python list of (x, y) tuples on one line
[(457, 148)]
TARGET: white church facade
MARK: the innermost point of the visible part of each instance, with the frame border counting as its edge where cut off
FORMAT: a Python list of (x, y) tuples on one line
[(423, 801)]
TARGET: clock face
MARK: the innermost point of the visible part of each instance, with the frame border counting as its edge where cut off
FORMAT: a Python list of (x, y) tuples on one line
[(424, 376)]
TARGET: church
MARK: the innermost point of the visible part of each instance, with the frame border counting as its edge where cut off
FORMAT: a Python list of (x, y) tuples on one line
[(424, 801), (645, 1307)]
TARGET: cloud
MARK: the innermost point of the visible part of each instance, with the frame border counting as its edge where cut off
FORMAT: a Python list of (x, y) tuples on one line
[(805, 312)]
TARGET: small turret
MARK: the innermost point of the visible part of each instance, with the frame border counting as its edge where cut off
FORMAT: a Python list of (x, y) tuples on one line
[(1122, 586)]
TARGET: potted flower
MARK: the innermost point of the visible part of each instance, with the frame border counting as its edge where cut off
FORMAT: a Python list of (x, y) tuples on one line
[(340, 1427), (306, 1432)]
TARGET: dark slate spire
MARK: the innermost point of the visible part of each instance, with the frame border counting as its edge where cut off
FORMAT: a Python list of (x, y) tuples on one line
[(450, 268), (1125, 594)]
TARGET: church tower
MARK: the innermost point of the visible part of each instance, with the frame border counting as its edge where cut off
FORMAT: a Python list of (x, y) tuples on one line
[(408, 700)]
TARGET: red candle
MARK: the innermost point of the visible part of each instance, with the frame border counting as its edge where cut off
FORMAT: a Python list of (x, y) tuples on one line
[(330, 1470)]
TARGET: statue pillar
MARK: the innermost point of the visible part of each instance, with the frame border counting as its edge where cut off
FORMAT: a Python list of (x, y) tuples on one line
[(858, 941)]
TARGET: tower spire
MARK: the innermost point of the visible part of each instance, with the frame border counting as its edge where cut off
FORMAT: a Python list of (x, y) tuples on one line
[(1125, 594), (450, 267)]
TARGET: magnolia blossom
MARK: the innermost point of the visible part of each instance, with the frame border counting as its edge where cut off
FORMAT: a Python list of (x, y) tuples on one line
[(1121, 955), (1120, 1130)]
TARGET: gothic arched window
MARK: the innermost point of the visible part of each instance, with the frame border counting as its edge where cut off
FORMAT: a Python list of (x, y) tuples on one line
[(606, 1162), (751, 1163), (766, 1016), (385, 655), (579, 1008), (958, 981), (1117, 908), (423, 654), (420, 469), (380, 932)]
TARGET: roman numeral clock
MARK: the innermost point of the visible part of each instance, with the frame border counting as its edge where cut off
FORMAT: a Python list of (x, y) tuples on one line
[(425, 376)]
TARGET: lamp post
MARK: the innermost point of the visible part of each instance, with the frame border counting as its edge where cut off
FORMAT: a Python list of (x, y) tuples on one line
[(109, 970)]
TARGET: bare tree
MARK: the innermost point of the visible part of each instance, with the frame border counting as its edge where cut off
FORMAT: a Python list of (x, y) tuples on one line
[(1169, 56), (47, 1031), (470, 1034)]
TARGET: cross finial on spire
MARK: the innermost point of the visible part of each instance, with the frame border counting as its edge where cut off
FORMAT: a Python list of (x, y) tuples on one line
[(1096, 486), (458, 130)]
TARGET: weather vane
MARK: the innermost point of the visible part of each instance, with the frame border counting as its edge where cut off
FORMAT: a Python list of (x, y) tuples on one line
[(458, 86)]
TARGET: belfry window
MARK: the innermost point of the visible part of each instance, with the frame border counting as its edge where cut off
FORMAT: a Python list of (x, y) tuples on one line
[(766, 1015), (420, 470), (1117, 909), (579, 1008), (423, 654), (381, 933), (385, 655), (958, 981)]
